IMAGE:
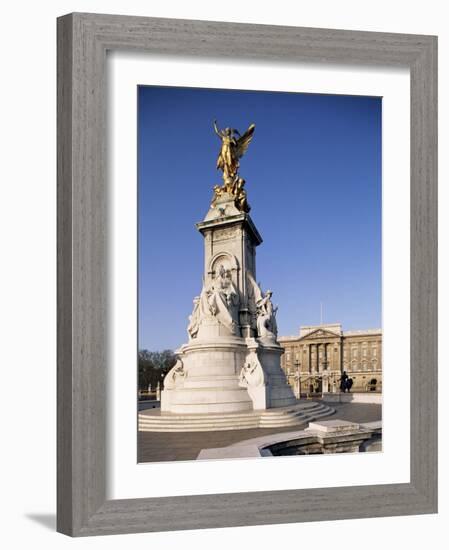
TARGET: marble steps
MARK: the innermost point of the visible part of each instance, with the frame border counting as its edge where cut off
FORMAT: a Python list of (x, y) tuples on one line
[(272, 418), (295, 420), (270, 414), (293, 417), (204, 426)]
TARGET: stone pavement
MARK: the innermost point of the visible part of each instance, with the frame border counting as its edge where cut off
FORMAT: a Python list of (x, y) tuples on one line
[(164, 446)]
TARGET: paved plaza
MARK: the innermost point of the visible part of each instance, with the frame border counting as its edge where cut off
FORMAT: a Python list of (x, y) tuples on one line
[(164, 446)]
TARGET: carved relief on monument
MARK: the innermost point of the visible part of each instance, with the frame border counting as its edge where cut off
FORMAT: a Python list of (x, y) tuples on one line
[(252, 374), (226, 233), (175, 377), (226, 298), (219, 300), (226, 260)]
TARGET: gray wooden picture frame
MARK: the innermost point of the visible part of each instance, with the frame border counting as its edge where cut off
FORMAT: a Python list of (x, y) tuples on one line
[(83, 40)]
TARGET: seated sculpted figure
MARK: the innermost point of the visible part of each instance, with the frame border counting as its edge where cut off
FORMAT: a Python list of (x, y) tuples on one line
[(224, 300), (219, 300), (175, 376), (251, 374)]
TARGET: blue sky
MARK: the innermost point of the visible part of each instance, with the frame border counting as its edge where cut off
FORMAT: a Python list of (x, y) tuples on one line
[(313, 178)]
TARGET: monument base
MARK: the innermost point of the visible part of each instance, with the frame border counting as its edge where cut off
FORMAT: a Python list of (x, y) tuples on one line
[(278, 392), (208, 378), (226, 375)]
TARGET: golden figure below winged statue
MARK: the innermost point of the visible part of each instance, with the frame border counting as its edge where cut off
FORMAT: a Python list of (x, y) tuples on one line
[(233, 147)]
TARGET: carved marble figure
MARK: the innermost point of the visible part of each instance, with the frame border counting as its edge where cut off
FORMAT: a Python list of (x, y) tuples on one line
[(194, 319), (251, 374), (219, 300), (266, 319), (175, 376)]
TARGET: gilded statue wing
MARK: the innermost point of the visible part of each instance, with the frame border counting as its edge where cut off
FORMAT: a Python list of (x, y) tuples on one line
[(244, 140)]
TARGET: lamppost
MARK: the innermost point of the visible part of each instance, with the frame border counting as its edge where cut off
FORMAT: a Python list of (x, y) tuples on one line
[(324, 376), (298, 378)]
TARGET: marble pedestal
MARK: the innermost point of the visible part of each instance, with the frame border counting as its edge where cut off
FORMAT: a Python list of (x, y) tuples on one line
[(213, 381)]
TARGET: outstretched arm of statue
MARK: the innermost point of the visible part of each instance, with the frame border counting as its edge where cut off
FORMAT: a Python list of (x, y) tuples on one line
[(217, 131)]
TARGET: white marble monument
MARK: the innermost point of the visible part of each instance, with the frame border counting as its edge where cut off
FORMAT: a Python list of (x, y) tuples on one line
[(231, 363)]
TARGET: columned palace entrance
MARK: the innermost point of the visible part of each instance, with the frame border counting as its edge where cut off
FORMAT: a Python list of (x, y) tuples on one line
[(315, 361)]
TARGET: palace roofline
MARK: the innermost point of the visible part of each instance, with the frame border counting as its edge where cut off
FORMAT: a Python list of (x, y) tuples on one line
[(306, 331), (359, 332)]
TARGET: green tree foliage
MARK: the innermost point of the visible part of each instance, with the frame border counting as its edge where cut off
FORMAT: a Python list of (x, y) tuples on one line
[(153, 366)]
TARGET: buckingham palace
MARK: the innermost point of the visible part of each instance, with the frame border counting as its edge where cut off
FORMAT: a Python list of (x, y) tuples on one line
[(315, 360)]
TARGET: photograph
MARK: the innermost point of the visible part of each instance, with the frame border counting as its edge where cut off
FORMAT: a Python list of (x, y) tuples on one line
[(259, 274)]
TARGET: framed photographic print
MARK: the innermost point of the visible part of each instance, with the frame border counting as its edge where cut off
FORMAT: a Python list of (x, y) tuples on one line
[(247, 274)]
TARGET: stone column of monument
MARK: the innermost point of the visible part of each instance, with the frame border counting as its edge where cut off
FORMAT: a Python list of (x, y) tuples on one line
[(231, 362)]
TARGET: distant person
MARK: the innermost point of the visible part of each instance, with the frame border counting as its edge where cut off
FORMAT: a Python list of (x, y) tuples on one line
[(349, 383)]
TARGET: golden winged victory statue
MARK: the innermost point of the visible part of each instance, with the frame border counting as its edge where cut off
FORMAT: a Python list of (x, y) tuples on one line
[(233, 147)]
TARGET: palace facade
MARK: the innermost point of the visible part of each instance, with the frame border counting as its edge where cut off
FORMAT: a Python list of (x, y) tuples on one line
[(315, 360)]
